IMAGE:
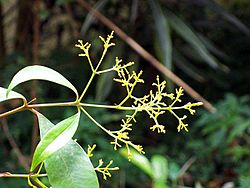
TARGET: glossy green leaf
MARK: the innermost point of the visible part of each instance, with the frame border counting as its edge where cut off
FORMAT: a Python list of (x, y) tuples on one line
[(160, 168), (12, 95), (38, 72), (70, 166), (55, 139), (139, 160)]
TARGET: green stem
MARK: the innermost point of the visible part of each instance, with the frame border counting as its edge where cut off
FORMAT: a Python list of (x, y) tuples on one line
[(100, 62), (106, 70), (94, 72), (39, 183), (90, 63), (18, 109), (62, 104), (75, 104), (87, 86), (106, 130), (9, 175)]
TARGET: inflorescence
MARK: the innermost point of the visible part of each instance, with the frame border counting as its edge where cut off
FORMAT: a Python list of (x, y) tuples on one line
[(154, 103)]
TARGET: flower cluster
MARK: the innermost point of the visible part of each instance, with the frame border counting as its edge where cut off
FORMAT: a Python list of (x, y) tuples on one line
[(105, 170), (154, 103)]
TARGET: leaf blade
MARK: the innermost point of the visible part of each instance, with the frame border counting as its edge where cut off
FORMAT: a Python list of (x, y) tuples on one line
[(160, 168), (139, 160), (55, 139), (12, 95), (38, 72), (80, 172)]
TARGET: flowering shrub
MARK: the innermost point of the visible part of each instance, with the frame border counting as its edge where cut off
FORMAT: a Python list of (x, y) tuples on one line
[(66, 163)]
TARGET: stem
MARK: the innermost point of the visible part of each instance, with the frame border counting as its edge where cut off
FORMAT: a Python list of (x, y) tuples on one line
[(106, 70), (62, 104), (90, 63), (75, 104), (18, 109), (9, 175), (87, 86), (39, 183), (107, 106), (98, 124), (93, 73), (106, 130), (21, 158), (99, 63), (30, 106)]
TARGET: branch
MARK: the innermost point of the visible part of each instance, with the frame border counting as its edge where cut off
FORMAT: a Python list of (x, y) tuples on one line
[(21, 158), (10, 175)]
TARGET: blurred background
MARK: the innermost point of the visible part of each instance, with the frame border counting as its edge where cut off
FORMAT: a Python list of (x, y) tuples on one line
[(205, 42)]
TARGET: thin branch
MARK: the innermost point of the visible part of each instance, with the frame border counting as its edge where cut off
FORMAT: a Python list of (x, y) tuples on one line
[(75, 104), (14, 111), (186, 166), (146, 55), (21, 158), (44, 105), (10, 175)]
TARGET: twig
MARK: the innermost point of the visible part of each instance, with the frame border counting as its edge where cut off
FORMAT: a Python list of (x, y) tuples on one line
[(146, 55), (21, 158), (18, 109), (10, 175), (186, 166)]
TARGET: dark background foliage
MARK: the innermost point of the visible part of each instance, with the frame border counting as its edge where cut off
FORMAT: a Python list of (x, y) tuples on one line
[(205, 42)]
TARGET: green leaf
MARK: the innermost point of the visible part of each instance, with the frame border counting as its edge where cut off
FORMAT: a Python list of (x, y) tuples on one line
[(38, 72), (174, 170), (183, 64), (159, 185), (160, 168), (213, 48), (190, 37), (213, 5), (55, 139), (238, 130), (12, 95), (139, 160), (69, 166), (162, 33)]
